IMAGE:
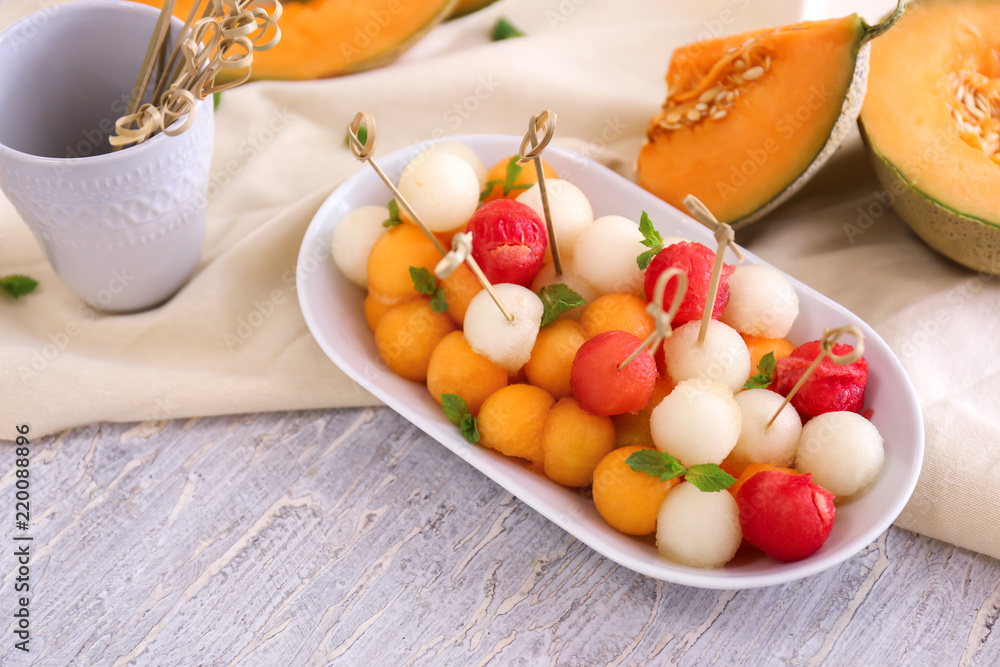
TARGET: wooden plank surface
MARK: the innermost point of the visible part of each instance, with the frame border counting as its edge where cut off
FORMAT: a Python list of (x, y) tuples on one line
[(347, 537)]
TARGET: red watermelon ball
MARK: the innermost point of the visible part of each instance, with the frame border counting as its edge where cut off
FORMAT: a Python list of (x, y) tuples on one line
[(508, 241), (600, 387), (786, 516), (696, 260)]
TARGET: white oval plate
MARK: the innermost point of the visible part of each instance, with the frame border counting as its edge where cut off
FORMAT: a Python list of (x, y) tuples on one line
[(332, 307)]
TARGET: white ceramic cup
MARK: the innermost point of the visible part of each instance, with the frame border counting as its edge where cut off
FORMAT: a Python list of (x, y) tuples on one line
[(123, 230)]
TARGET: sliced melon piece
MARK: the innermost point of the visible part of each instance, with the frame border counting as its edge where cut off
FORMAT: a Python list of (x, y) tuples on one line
[(931, 122), (750, 118), (324, 38)]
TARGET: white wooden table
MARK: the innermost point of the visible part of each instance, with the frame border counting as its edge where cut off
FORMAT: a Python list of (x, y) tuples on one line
[(347, 537)]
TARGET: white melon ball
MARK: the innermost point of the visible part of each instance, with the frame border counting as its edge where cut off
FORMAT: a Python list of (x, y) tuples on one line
[(547, 276), (698, 422), (843, 451), (606, 252), (442, 189), (460, 150), (697, 528), (762, 301), (352, 241), (760, 443), (569, 207), (723, 355), (489, 333)]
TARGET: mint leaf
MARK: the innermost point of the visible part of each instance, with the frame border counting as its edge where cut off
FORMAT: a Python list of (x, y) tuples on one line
[(765, 373), (709, 477), (425, 283), (423, 280), (393, 218), (468, 428), (362, 136), (557, 299), (438, 303), (455, 408), (457, 412), (488, 188), (655, 464), (512, 174), (645, 258), (504, 29), (651, 239), (17, 286), (706, 477)]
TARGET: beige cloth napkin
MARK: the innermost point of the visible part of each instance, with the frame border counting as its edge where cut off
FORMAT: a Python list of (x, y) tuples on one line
[(279, 150)]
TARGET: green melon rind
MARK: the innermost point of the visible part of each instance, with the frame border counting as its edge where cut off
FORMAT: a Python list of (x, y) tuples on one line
[(970, 241)]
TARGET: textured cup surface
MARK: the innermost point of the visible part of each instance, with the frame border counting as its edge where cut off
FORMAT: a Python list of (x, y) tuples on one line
[(123, 230)]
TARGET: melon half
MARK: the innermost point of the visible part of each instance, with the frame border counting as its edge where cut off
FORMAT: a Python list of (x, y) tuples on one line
[(931, 125)]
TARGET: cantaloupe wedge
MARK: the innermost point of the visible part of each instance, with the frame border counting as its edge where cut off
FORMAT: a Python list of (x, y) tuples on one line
[(750, 118), (932, 125), (324, 38)]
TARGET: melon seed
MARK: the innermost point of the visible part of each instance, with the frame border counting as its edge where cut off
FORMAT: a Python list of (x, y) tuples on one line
[(710, 94), (753, 73), (693, 115)]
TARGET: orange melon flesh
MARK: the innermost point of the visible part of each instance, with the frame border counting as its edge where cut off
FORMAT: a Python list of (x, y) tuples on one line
[(907, 113), (323, 38), (771, 134)]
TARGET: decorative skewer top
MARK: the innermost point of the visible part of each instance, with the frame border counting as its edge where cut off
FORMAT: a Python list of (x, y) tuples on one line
[(531, 149), (826, 343), (661, 318), (225, 38), (727, 239)]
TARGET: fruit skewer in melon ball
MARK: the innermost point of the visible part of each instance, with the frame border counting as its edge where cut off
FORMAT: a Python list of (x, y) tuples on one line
[(707, 349), (614, 372)]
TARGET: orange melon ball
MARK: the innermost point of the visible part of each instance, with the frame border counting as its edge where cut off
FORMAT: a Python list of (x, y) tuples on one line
[(574, 442), (459, 289), (617, 312), (376, 305), (552, 357), (751, 470), (633, 430), (389, 263), (527, 177), (455, 368), (512, 421), (628, 500), (407, 335), (759, 347)]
